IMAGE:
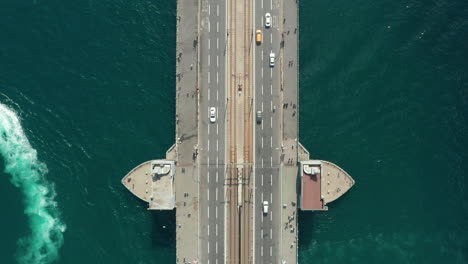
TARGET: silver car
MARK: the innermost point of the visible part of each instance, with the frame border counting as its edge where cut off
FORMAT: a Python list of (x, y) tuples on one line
[(259, 117), (267, 20), (272, 59)]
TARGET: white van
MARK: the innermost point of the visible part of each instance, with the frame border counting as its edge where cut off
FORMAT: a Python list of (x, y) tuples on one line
[(265, 207)]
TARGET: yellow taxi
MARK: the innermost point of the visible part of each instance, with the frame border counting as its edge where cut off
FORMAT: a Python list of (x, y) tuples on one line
[(258, 36)]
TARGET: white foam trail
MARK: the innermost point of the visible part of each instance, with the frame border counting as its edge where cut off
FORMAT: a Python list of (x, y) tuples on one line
[(27, 173)]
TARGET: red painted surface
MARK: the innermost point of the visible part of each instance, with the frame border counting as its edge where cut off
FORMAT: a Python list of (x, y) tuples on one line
[(311, 192)]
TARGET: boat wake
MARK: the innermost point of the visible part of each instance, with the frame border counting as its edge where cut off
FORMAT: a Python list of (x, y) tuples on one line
[(27, 173)]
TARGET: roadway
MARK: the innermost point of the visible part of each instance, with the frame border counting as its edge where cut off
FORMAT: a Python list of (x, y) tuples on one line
[(267, 134), (212, 148), (212, 141)]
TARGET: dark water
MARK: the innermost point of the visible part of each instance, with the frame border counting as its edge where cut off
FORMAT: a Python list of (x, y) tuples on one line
[(384, 90)]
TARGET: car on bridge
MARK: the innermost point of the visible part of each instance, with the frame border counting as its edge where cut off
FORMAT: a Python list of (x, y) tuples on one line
[(259, 117), (267, 20), (265, 207), (258, 36), (212, 114), (272, 59)]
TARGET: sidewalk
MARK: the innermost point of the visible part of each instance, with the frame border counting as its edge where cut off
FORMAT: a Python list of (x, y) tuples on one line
[(290, 127), (186, 179)]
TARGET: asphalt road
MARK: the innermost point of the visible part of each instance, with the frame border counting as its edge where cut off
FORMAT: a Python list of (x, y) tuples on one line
[(267, 135), (212, 134), (212, 152)]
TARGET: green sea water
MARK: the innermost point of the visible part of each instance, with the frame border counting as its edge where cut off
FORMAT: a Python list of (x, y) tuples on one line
[(87, 93)]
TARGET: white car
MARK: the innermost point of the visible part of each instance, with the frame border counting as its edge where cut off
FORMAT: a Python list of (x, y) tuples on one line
[(212, 114), (265, 207), (272, 59), (267, 20)]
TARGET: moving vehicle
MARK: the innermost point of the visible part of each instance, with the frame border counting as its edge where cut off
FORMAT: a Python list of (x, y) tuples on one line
[(212, 114), (267, 20), (272, 59), (259, 117), (258, 36), (265, 207)]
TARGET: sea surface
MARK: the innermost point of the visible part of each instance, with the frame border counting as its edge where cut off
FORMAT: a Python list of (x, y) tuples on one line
[(87, 93)]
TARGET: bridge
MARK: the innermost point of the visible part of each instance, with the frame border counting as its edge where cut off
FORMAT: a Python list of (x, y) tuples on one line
[(237, 174)]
